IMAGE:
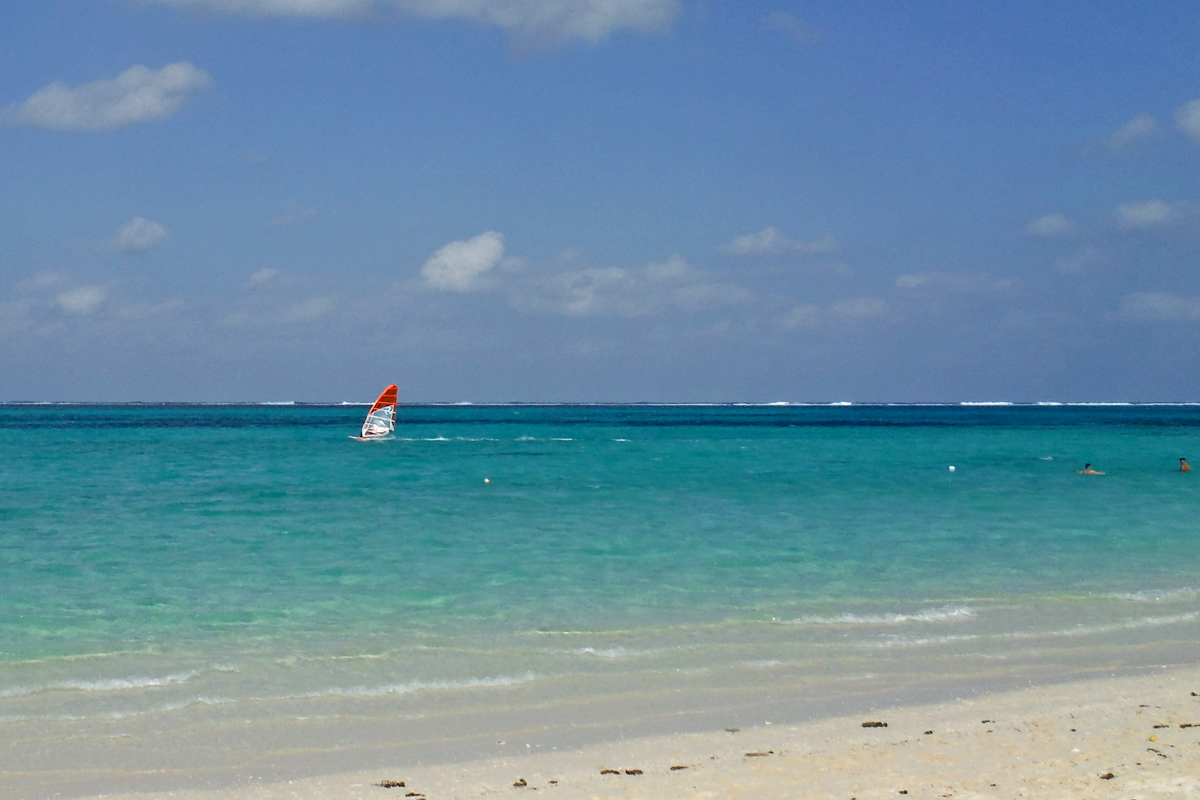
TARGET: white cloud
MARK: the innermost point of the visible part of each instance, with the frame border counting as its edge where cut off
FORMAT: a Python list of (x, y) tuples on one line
[(672, 284), (262, 276), (41, 282), (770, 242), (860, 308), (139, 235), (83, 300), (293, 213), (1051, 225), (953, 282), (531, 23), (1160, 306), (459, 266), (1139, 127), (796, 29), (855, 309), (138, 94), (1146, 214), (308, 310), (1187, 118)]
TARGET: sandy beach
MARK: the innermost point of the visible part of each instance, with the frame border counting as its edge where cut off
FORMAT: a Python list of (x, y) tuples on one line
[(1129, 737)]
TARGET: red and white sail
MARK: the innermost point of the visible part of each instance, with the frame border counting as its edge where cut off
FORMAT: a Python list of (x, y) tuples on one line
[(381, 420)]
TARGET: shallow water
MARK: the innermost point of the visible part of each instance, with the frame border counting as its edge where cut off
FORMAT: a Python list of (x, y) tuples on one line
[(244, 583)]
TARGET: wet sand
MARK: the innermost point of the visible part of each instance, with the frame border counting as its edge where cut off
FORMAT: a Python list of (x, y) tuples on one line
[(1127, 737)]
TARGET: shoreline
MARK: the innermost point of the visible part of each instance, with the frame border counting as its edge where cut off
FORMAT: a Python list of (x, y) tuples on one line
[(1051, 740)]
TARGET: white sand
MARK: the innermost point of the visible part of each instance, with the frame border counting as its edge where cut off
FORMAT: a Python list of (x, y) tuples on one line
[(1046, 742)]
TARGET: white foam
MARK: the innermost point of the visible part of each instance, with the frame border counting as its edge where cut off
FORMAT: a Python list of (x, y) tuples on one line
[(612, 652), (945, 614), (1123, 625), (899, 641), (166, 709), (124, 684), (110, 685), (417, 686), (1156, 596)]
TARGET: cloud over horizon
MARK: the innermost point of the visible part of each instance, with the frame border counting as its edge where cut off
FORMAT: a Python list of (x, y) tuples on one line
[(1187, 119), (139, 94), (668, 285), (139, 235), (771, 242), (1160, 307), (460, 266), (82, 300), (1138, 128), (530, 23), (1148, 214), (796, 29), (1051, 225)]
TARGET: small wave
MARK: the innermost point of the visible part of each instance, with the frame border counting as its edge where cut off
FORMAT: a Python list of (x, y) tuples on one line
[(612, 652), (166, 709), (111, 685), (527, 439), (278, 403), (417, 686), (985, 403), (1132, 623), (1155, 596), (620, 440), (946, 614), (436, 439), (900, 641), (560, 439)]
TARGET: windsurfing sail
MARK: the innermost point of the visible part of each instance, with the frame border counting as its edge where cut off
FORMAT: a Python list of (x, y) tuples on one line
[(381, 420)]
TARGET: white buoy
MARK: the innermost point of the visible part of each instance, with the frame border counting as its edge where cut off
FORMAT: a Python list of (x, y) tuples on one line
[(952, 468), (489, 480)]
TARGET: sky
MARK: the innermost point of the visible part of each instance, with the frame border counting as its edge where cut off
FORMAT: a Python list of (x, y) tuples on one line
[(599, 200)]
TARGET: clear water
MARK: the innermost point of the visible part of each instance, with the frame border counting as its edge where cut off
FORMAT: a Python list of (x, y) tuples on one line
[(187, 574)]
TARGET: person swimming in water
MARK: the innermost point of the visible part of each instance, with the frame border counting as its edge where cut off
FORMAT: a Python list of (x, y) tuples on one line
[(1184, 466), (1087, 470)]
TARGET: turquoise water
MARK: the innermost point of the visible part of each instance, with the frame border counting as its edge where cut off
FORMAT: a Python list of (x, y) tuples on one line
[(182, 567)]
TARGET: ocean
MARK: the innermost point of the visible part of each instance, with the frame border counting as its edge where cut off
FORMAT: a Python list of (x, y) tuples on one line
[(244, 591)]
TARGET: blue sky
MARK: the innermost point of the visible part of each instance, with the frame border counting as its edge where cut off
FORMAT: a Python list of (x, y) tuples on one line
[(599, 200)]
